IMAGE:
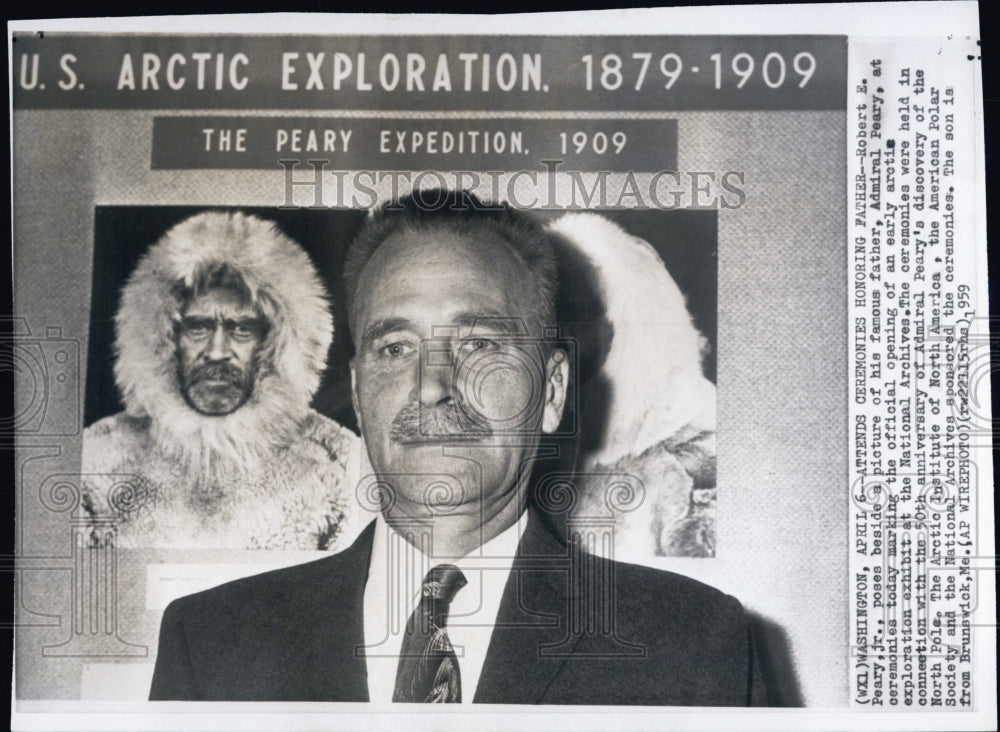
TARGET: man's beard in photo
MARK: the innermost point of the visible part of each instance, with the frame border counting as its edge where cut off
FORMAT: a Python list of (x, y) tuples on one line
[(416, 424), (217, 399)]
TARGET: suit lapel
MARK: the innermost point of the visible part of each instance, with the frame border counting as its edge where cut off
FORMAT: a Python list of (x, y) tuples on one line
[(350, 682), (328, 637), (531, 640)]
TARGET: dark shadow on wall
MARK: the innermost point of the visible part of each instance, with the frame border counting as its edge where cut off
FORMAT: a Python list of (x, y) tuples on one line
[(774, 653)]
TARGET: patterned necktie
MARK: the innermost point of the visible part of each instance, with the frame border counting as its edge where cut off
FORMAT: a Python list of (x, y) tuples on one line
[(428, 666)]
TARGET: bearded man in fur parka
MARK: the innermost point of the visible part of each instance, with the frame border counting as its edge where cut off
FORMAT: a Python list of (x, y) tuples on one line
[(220, 341)]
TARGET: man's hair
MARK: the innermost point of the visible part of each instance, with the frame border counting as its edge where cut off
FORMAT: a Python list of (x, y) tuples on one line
[(212, 276), (463, 214)]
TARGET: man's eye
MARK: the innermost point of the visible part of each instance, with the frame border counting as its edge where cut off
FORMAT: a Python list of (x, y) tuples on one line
[(196, 330), (471, 345), (395, 350), (242, 332)]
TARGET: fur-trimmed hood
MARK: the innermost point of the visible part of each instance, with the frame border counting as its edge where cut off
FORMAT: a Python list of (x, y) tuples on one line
[(282, 282), (658, 408), (654, 359)]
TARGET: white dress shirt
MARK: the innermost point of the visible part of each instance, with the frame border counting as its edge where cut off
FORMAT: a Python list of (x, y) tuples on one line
[(392, 592)]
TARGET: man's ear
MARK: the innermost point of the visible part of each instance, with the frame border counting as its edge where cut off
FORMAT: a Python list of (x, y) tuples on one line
[(354, 393), (556, 386)]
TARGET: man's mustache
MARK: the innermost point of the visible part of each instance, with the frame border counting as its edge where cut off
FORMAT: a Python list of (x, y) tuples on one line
[(450, 423), (217, 371)]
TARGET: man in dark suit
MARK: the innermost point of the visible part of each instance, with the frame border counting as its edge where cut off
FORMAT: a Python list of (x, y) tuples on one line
[(457, 592)]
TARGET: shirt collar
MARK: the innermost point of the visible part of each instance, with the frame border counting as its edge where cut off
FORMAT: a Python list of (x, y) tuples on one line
[(390, 549)]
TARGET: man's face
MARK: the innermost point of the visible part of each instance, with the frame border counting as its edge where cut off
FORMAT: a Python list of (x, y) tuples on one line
[(451, 390), (217, 342)]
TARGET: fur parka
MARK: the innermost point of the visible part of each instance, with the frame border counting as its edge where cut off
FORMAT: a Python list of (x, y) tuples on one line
[(273, 473), (652, 468)]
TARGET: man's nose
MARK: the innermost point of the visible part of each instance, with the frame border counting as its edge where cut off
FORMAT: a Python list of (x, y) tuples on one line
[(218, 345), (436, 383)]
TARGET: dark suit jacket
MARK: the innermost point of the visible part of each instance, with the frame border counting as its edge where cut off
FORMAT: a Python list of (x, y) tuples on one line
[(571, 629)]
